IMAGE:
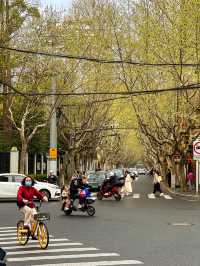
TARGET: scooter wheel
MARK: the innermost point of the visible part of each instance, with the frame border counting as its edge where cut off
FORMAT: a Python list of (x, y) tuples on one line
[(68, 212), (91, 211), (117, 197), (99, 196)]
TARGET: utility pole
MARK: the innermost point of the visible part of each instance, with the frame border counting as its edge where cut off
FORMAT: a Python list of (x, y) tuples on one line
[(53, 131)]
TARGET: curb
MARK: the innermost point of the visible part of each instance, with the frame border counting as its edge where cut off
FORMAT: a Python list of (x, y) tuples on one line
[(165, 188)]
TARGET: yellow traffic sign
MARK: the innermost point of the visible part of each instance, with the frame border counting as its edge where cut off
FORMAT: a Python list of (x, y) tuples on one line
[(53, 153)]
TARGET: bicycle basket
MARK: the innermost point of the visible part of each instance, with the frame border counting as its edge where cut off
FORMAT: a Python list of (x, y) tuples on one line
[(42, 216)]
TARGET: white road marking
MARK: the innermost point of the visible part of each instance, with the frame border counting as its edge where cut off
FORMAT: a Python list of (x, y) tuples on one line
[(136, 196), (10, 227), (32, 245), (8, 231), (98, 263), (167, 196), (11, 236), (151, 196), (51, 251), (74, 256), (31, 241)]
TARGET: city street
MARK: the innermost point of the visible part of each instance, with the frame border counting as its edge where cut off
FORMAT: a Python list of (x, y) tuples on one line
[(138, 230)]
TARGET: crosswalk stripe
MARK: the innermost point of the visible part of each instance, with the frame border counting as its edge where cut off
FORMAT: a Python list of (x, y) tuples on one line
[(74, 256), (9, 234), (151, 196), (31, 241), (136, 196), (167, 196), (9, 227), (32, 245), (13, 237), (51, 251), (98, 263), (8, 231)]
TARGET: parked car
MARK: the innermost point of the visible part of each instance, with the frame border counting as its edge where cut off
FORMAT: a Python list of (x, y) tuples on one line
[(133, 172), (120, 172), (10, 182), (95, 179), (142, 171)]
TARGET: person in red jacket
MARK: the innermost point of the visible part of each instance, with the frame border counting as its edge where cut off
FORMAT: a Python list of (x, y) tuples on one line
[(25, 196)]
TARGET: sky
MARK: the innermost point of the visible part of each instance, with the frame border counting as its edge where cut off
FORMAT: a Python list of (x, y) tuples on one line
[(64, 4)]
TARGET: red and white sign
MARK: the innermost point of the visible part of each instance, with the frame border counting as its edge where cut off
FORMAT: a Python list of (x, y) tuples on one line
[(196, 149)]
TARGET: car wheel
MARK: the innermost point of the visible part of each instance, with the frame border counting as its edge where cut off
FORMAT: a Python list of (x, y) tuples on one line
[(46, 193)]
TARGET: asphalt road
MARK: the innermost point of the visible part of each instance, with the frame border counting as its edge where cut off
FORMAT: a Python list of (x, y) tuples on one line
[(135, 230)]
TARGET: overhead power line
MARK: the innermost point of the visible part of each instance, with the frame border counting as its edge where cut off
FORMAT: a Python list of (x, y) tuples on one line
[(122, 93), (99, 60)]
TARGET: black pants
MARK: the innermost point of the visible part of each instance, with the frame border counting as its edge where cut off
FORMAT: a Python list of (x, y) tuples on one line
[(157, 188)]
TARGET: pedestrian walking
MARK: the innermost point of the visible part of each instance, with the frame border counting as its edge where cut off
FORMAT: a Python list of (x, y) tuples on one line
[(190, 179), (168, 177), (127, 188), (156, 182)]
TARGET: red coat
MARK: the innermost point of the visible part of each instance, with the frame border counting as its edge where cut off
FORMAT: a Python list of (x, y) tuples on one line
[(28, 193)]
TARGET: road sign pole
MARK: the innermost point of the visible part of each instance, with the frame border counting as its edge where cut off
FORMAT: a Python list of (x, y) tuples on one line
[(197, 176)]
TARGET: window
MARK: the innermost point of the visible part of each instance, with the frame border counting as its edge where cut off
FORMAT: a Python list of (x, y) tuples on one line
[(3, 178), (18, 178)]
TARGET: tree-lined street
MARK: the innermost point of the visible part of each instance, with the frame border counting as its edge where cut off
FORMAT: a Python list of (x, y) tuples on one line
[(136, 229)]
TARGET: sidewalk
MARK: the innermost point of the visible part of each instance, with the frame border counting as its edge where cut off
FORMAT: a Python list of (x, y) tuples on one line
[(187, 195)]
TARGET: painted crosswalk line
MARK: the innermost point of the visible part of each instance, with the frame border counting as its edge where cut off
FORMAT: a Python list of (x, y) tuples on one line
[(54, 250), (98, 263), (167, 196), (31, 241), (59, 250), (151, 196), (55, 257), (136, 196), (35, 245)]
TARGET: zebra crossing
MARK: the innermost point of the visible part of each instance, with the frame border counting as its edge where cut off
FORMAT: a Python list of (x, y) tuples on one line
[(151, 196), (60, 252)]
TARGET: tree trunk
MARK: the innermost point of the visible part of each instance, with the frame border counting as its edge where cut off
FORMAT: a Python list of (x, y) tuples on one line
[(23, 157)]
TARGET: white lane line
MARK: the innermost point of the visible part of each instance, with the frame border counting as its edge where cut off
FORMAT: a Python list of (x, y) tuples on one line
[(9, 234), (7, 238), (167, 196), (13, 237), (36, 245), (31, 241), (98, 263), (151, 196), (51, 251), (136, 196), (75, 256), (8, 231), (9, 227)]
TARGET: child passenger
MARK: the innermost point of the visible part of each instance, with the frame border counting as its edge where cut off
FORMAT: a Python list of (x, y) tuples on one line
[(65, 198)]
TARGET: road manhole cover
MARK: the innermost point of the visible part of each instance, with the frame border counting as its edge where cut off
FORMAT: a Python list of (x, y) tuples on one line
[(181, 224)]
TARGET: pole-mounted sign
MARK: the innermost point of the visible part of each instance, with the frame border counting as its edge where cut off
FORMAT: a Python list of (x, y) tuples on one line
[(196, 149)]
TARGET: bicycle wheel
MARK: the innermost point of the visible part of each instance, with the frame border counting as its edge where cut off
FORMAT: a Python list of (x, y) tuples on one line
[(43, 235), (22, 233)]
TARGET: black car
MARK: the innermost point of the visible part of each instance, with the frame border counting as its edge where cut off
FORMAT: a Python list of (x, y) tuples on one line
[(95, 179)]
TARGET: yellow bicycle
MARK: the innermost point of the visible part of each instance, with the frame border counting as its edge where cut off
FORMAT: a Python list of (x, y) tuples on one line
[(38, 229)]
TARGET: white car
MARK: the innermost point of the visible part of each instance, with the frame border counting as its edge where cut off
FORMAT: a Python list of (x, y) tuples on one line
[(10, 183)]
